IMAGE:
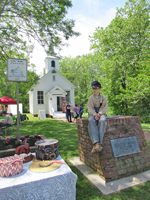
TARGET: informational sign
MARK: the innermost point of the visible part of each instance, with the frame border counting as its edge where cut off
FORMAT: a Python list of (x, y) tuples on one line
[(17, 70), (41, 114), (125, 146)]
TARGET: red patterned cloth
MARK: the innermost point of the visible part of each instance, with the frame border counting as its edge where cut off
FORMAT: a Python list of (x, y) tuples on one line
[(10, 166)]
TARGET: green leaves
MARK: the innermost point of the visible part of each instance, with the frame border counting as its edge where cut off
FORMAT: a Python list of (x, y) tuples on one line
[(81, 72), (10, 88), (123, 47), (43, 21)]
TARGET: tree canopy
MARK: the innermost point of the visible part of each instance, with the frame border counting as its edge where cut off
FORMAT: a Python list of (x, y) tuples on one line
[(43, 21), (10, 88), (123, 47), (81, 71), (120, 61)]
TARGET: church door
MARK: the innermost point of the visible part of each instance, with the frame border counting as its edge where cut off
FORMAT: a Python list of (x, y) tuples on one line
[(59, 104)]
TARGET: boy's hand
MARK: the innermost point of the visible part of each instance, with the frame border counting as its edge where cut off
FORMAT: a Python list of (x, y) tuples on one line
[(97, 116)]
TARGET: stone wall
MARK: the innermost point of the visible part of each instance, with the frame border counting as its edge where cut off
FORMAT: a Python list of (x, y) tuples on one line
[(109, 167)]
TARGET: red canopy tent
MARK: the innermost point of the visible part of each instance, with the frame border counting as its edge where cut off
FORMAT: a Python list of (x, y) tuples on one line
[(6, 100)]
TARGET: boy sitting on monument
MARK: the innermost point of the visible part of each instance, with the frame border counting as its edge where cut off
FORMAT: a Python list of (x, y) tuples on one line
[(97, 107)]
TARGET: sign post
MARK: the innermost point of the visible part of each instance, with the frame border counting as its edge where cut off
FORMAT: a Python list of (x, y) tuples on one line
[(17, 72), (18, 114)]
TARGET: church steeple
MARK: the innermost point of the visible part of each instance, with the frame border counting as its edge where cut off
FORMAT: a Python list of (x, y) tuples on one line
[(51, 62), (53, 52)]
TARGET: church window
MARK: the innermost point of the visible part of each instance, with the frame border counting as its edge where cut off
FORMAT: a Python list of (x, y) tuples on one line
[(40, 97), (53, 71), (53, 77), (53, 63)]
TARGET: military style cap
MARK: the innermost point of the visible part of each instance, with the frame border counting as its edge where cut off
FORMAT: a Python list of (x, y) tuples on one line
[(96, 84)]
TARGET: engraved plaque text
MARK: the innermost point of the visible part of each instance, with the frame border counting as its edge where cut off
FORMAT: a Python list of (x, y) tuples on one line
[(125, 146)]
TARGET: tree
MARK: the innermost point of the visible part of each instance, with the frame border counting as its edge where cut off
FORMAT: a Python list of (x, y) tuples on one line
[(10, 88), (25, 87), (81, 71), (123, 47), (43, 21)]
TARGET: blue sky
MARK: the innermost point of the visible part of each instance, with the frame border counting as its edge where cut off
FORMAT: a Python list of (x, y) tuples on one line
[(88, 14), (93, 8)]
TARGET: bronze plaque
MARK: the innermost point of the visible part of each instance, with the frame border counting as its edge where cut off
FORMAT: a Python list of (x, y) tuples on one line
[(125, 146)]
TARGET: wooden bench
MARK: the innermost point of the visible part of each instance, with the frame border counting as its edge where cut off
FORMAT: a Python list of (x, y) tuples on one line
[(5, 128)]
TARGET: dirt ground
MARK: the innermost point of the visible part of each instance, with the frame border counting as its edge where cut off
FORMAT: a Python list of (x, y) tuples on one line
[(147, 135), (65, 120)]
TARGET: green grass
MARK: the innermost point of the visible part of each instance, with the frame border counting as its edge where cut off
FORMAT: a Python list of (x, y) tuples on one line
[(2, 117), (145, 127), (85, 115), (66, 134)]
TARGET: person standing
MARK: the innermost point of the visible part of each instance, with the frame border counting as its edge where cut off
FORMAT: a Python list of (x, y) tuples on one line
[(76, 113), (68, 112), (80, 111), (97, 107)]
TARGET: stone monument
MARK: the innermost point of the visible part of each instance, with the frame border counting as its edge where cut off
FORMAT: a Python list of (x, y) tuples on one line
[(125, 151)]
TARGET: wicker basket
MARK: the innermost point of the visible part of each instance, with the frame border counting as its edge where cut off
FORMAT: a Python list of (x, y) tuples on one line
[(10, 166)]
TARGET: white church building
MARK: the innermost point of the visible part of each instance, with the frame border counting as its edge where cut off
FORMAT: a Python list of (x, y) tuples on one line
[(51, 90)]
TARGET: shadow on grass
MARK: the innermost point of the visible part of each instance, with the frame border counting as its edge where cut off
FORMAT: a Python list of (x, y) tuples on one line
[(87, 191), (64, 132)]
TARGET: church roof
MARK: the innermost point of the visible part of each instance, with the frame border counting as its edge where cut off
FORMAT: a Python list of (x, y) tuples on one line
[(34, 86), (60, 75), (56, 87)]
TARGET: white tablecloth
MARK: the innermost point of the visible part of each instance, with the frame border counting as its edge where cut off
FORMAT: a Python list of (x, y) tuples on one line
[(59, 184)]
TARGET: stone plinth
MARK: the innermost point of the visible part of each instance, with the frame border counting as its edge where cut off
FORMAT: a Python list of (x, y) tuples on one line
[(109, 167)]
